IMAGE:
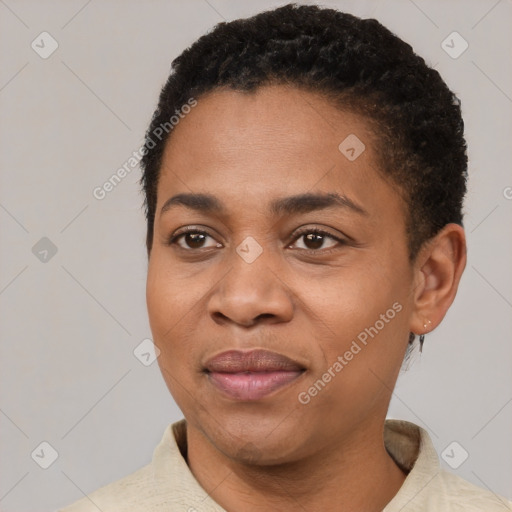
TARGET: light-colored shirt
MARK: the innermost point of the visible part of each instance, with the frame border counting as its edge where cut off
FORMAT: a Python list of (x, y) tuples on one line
[(167, 484)]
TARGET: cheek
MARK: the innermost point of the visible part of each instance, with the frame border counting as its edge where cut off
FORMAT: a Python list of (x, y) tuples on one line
[(169, 293), (366, 312), (175, 300), (353, 297), (168, 301)]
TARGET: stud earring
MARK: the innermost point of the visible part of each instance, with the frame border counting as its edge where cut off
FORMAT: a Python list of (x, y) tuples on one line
[(422, 336)]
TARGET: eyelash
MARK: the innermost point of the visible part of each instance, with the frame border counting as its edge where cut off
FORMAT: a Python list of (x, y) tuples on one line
[(341, 242)]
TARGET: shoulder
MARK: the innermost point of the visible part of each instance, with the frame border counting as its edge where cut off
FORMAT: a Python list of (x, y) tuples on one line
[(144, 489), (427, 486), (166, 483), (451, 492), (123, 495)]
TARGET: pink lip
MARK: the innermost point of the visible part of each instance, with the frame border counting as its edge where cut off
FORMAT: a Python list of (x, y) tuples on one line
[(251, 375)]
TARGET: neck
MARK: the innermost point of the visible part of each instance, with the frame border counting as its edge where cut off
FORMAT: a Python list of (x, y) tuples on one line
[(348, 474)]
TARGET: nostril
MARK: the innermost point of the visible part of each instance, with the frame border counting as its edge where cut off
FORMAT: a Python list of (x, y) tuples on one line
[(219, 317), (264, 316)]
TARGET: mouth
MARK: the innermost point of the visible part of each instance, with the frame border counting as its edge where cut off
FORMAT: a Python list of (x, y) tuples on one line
[(251, 375)]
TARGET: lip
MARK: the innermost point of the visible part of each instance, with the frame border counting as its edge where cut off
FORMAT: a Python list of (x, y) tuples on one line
[(251, 375)]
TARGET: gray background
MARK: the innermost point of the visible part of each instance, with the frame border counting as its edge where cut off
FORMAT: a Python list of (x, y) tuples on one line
[(70, 324)]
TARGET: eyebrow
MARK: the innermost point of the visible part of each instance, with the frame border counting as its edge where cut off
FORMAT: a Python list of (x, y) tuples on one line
[(301, 203)]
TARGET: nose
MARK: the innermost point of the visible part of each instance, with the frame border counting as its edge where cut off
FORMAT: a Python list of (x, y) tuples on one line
[(250, 294)]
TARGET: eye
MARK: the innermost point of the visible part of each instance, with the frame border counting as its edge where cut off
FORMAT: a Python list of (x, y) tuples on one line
[(191, 238), (316, 240)]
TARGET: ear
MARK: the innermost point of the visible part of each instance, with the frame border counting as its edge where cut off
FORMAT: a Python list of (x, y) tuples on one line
[(438, 269)]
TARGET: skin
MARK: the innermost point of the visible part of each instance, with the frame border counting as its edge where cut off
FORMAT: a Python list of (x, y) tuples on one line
[(305, 300)]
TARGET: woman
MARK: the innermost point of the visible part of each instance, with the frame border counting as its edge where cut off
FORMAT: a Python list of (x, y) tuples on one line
[(304, 175)]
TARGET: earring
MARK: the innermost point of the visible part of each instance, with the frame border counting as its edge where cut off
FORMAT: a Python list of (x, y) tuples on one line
[(422, 336)]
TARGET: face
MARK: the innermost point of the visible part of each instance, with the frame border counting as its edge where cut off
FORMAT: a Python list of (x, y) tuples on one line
[(279, 286)]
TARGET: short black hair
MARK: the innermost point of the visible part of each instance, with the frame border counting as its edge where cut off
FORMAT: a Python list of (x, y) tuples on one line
[(360, 65)]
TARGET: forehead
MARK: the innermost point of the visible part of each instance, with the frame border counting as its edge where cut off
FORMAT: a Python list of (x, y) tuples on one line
[(271, 121), (274, 141)]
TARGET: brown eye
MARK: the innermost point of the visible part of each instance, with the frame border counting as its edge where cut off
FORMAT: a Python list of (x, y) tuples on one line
[(314, 240), (191, 240), (194, 240)]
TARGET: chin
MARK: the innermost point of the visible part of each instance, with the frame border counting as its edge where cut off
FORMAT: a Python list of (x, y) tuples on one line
[(261, 442)]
